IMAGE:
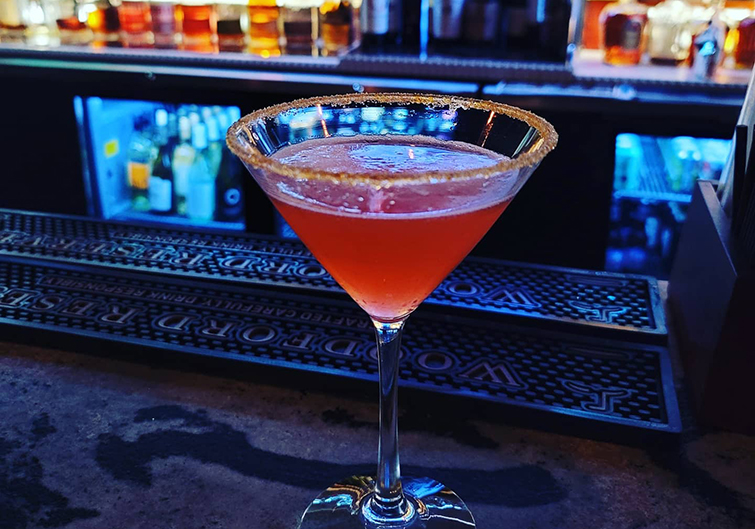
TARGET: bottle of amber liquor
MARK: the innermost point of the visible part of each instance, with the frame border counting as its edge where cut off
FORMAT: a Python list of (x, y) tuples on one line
[(200, 26), (264, 33), (623, 30), (338, 30), (136, 24), (232, 24)]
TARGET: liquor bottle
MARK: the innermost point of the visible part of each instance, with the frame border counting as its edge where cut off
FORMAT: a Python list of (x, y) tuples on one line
[(623, 26), (214, 144), (103, 20), (194, 117), (161, 179), (232, 21), (264, 33), (200, 200), (136, 24), (200, 26), (71, 23), (481, 21), (11, 22), (707, 49), (380, 22), (744, 52), (446, 25), (183, 158), (38, 22), (166, 23), (669, 32), (337, 27), (300, 26), (140, 158)]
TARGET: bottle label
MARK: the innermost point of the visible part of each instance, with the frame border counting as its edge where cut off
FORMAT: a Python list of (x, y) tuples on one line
[(447, 19), (160, 193), (138, 175), (376, 16)]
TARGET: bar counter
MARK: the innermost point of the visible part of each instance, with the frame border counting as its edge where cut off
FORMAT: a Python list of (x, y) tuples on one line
[(105, 440)]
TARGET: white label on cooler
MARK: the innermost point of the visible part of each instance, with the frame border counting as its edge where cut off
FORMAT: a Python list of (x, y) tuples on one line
[(160, 193), (200, 202)]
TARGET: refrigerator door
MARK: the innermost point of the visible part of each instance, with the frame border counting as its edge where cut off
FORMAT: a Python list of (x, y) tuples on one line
[(161, 163)]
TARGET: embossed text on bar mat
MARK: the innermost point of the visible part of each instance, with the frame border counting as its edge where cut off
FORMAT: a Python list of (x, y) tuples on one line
[(595, 299), (628, 384)]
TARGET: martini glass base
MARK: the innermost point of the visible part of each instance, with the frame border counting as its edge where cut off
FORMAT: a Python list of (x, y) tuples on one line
[(341, 506)]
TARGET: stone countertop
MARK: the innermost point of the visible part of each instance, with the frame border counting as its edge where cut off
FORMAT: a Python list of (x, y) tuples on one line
[(96, 442)]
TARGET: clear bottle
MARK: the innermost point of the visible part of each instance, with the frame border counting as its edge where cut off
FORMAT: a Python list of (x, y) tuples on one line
[(300, 26), (200, 200), (707, 50), (232, 25), (200, 26), (669, 32), (623, 27), (264, 32), (161, 179), (38, 18), (183, 158), (166, 23), (140, 158), (337, 27), (214, 144)]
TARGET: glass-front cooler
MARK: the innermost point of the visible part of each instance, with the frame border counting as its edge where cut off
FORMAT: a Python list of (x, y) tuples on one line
[(159, 162), (653, 182)]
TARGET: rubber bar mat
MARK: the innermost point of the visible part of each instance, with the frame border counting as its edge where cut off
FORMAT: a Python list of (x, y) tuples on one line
[(595, 300), (601, 380)]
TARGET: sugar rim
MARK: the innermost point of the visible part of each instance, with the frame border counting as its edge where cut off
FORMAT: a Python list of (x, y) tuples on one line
[(548, 139)]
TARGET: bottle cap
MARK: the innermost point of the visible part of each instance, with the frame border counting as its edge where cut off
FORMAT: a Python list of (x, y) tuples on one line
[(194, 118)]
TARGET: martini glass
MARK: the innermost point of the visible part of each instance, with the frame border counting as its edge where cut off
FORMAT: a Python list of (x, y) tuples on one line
[(390, 192)]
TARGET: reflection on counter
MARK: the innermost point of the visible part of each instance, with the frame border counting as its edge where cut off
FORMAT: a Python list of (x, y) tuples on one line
[(653, 182)]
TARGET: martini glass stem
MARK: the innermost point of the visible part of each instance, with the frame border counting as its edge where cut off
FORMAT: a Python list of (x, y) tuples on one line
[(388, 502)]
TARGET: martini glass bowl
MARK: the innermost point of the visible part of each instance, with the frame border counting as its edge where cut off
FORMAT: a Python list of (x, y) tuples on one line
[(431, 175)]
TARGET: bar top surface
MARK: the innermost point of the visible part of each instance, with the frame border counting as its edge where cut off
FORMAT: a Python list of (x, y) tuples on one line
[(92, 442)]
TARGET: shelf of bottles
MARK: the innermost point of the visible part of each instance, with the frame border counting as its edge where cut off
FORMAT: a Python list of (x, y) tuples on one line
[(272, 28), (703, 36), (162, 163), (653, 182)]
